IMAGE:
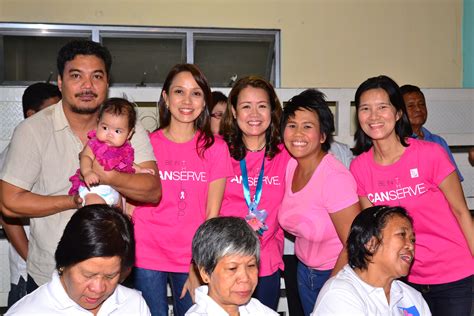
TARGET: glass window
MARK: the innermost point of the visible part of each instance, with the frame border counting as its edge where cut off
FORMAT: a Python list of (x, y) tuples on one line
[(143, 61), (224, 59), (30, 58), (142, 56)]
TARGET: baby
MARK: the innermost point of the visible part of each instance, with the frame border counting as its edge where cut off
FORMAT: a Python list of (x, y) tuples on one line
[(110, 146)]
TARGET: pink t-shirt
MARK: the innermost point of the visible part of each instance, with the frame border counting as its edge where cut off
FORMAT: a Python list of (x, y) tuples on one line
[(271, 249), (164, 232), (441, 252), (306, 213)]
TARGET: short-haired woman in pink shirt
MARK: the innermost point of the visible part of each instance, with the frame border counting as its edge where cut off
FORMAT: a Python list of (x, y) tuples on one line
[(320, 200)]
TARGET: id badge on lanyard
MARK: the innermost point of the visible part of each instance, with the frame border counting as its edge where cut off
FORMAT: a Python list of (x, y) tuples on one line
[(255, 217)]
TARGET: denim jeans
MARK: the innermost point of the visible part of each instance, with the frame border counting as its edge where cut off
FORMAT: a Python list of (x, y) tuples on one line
[(268, 290), (31, 285), (310, 282), (153, 283), (17, 291), (448, 299), (291, 285)]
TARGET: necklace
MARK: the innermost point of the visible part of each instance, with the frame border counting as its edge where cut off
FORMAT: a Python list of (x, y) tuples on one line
[(255, 150), (180, 139)]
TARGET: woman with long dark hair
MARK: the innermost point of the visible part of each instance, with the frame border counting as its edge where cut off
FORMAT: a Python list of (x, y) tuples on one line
[(396, 170), (193, 170)]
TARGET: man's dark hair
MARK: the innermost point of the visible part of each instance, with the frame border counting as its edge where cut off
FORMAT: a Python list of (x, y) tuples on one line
[(217, 97), (83, 47), (36, 94), (408, 88)]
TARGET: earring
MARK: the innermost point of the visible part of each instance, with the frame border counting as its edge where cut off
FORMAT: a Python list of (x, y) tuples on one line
[(61, 270)]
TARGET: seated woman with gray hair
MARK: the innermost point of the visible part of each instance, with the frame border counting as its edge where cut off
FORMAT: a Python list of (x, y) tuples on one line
[(381, 250), (226, 252), (96, 248)]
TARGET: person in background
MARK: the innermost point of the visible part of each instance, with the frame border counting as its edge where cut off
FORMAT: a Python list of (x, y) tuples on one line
[(381, 248), (39, 96), (217, 109), (396, 170), (193, 166), (36, 97), (471, 156), (250, 128), (226, 252), (342, 152), (95, 251), (417, 112), (320, 200), (49, 142)]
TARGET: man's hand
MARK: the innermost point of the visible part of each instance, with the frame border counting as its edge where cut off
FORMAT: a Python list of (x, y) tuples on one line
[(140, 187), (77, 200)]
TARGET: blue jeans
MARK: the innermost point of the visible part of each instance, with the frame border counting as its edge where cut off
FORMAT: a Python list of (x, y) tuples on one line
[(291, 285), (31, 285), (448, 299), (268, 290), (310, 282), (17, 291), (153, 283)]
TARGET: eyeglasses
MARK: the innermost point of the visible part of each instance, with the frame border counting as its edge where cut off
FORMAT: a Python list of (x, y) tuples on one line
[(217, 115)]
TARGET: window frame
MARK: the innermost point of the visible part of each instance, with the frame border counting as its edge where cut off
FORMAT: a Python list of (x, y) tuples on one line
[(97, 32)]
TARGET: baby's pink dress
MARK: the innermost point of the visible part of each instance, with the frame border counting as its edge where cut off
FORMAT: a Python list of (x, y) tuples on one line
[(111, 158)]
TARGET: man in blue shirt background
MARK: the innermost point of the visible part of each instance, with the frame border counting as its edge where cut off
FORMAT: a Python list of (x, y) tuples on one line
[(417, 114)]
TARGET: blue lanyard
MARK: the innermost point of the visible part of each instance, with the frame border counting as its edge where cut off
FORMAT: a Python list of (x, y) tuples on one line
[(252, 205)]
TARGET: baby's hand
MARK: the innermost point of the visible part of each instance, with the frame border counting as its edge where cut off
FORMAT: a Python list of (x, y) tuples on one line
[(91, 179)]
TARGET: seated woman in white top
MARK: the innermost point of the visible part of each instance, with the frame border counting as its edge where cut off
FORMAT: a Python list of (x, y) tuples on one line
[(381, 250), (96, 250), (227, 252)]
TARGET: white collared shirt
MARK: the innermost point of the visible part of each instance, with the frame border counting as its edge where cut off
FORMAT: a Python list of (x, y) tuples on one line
[(347, 294), (205, 305), (52, 299), (42, 155)]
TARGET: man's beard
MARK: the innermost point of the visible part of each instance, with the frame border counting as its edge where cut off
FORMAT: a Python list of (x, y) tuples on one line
[(86, 110), (79, 110)]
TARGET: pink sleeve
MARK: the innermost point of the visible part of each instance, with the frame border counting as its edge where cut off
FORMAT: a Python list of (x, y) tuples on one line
[(219, 160), (356, 171), (340, 190), (440, 166)]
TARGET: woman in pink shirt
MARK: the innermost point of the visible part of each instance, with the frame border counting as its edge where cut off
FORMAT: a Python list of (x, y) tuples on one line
[(193, 185), (251, 129), (396, 170), (320, 199)]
